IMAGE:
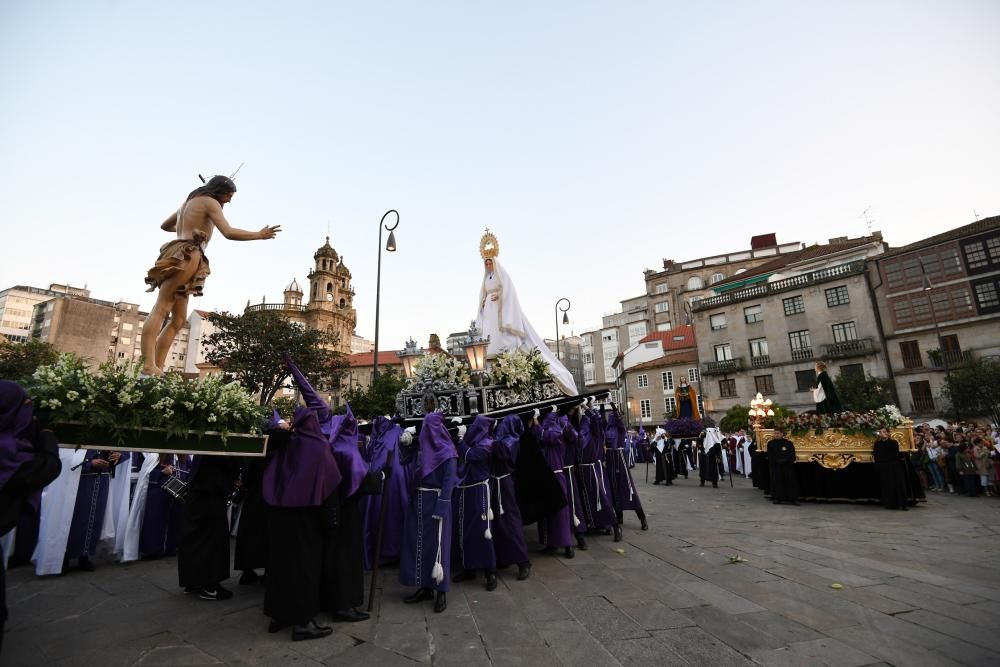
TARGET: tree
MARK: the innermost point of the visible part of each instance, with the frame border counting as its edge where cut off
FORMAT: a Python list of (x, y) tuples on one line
[(974, 387), (738, 417), (859, 392), (18, 361), (249, 347), (379, 398)]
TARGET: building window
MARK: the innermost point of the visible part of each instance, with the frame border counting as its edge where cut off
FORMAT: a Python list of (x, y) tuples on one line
[(663, 326), (694, 375), (988, 295), (661, 288), (694, 282), (636, 332), (667, 377), (642, 381), (844, 331), (727, 388), (805, 380), (910, 349), (670, 406), (923, 401), (794, 305), (764, 384), (645, 409), (588, 375), (723, 352), (662, 307), (717, 278), (837, 296), (758, 347), (799, 342), (718, 321), (853, 370), (753, 314), (695, 301), (975, 255)]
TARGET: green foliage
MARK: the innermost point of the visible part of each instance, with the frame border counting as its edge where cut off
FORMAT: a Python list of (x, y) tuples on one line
[(859, 392), (379, 398), (285, 405), (249, 347), (974, 388), (18, 361), (736, 417)]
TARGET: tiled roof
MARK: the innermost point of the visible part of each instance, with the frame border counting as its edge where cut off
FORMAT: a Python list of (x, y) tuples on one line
[(667, 338), (781, 261), (977, 227), (389, 358), (687, 357)]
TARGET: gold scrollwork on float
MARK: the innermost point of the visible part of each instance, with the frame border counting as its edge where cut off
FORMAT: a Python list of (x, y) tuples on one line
[(835, 449)]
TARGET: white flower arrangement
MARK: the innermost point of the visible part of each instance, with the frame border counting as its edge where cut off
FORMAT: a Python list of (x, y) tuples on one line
[(517, 369), (442, 367), (116, 399)]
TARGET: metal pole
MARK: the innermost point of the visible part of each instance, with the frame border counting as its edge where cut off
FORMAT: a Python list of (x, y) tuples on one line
[(378, 285), (558, 309)]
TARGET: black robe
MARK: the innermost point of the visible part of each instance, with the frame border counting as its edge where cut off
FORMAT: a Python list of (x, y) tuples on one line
[(539, 493), (662, 461), (251, 536), (343, 582), (708, 462), (892, 484), (784, 485), (203, 551), (294, 572), (831, 404)]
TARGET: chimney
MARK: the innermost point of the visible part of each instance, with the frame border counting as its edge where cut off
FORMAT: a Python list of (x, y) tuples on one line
[(763, 241)]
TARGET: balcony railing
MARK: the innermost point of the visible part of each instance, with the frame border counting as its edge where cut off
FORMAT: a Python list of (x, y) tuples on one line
[(925, 404), (784, 285), (940, 359), (858, 347), (802, 354), (724, 367), (257, 307), (760, 360)]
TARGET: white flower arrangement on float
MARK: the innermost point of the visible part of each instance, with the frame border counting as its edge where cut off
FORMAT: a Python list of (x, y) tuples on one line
[(117, 400), (518, 370), (443, 368)]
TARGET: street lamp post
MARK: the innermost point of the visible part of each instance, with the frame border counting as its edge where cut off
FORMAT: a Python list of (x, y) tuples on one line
[(565, 320), (390, 246), (475, 353)]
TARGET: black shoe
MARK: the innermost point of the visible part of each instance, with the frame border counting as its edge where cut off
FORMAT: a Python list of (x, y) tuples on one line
[(796, 503), (274, 626), (491, 581), (776, 502), (310, 631), (464, 575), (84, 565), (715, 485), (350, 615), (421, 595), (216, 592), (645, 526), (249, 577), (581, 543), (618, 533), (656, 483), (523, 571), (702, 483), (569, 552), (191, 589), (440, 602)]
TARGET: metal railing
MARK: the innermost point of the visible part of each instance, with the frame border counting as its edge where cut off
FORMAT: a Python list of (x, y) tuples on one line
[(850, 348), (258, 307), (724, 366), (923, 404), (940, 359), (760, 360), (783, 285), (802, 354)]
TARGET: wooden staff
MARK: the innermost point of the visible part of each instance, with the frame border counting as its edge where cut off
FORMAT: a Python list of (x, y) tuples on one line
[(381, 527)]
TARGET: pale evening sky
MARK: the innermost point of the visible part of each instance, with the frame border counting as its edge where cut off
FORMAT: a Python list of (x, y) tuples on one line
[(594, 139)]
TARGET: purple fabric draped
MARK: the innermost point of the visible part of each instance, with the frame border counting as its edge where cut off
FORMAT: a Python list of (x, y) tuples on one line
[(385, 438), (436, 445), (15, 417), (312, 398), (508, 528), (303, 472), (344, 442)]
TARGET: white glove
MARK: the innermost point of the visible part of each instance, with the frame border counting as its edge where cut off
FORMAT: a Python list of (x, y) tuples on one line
[(407, 438), (461, 431)]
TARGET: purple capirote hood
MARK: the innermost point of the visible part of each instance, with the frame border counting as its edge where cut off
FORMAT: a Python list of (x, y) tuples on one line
[(304, 472), (436, 445)]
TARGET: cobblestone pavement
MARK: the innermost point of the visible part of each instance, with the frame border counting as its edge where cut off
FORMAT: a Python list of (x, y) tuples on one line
[(919, 588)]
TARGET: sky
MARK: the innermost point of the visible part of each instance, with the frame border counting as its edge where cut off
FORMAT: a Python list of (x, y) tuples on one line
[(593, 138)]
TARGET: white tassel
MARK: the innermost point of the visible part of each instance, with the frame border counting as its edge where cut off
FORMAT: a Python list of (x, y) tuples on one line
[(491, 514), (438, 573), (488, 535)]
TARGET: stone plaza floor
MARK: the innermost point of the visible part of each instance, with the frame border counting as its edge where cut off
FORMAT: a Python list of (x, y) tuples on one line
[(918, 588)]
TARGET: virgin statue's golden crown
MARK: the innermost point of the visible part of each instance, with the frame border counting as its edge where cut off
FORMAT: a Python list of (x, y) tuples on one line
[(489, 247)]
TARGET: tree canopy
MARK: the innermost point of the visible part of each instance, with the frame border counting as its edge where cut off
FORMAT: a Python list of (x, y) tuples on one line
[(18, 361)]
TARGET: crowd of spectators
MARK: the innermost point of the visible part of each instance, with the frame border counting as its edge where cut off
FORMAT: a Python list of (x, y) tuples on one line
[(960, 458)]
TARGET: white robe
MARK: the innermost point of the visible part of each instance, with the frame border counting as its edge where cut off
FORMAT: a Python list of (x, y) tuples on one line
[(136, 513), (58, 502), (116, 514), (508, 329)]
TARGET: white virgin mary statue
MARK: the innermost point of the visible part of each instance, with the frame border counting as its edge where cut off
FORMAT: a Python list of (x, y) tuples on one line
[(500, 317)]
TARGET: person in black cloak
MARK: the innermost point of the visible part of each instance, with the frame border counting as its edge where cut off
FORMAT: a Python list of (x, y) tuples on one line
[(538, 492), (203, 550), (781, 463), (29, 459), (825, 393), (624, 495), (892, 484), (508, 526), (661, 449), (709, 460), (251, 535), (299, 486)]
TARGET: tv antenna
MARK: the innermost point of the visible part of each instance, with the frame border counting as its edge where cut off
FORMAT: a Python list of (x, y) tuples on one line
[(868, 220)]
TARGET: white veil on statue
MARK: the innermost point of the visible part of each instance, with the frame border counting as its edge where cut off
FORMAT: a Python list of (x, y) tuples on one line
[(500, 317)]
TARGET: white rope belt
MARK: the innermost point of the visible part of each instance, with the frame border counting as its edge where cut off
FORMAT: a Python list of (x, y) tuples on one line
[(598, 480), (487, 514), (572, 497), (499, 495), (628, 478), (438, 570)]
